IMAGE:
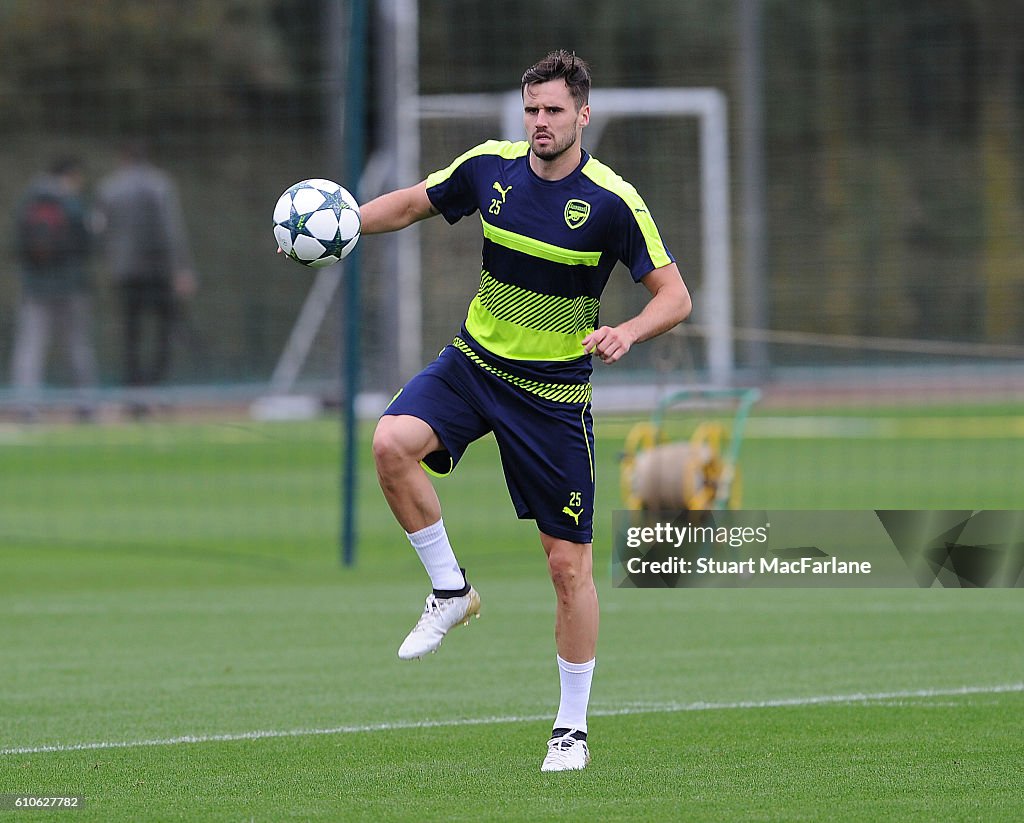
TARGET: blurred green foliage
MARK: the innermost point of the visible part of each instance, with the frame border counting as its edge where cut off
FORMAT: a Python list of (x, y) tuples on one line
[(894, 146)]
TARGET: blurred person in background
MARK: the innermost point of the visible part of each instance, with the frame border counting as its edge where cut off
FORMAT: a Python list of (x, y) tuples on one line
[(52, 242), (148, 256)]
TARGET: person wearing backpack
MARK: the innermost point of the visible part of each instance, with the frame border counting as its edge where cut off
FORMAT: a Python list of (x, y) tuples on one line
[(53, 243)]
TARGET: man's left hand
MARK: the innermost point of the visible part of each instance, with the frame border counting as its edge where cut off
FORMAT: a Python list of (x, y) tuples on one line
[(609, 343)]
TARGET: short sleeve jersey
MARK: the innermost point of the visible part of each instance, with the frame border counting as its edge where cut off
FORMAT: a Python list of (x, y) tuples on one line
[(548, 250)]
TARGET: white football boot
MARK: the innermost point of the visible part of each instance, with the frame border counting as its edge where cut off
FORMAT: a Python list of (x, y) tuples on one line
[(566, 754), (439, 615)]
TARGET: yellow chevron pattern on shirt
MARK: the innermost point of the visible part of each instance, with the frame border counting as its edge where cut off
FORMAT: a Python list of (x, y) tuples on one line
[(520, 324), (556, 392), (539, 312)]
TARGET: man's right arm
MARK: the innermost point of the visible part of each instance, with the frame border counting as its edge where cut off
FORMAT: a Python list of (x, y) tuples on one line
[(396, 210)]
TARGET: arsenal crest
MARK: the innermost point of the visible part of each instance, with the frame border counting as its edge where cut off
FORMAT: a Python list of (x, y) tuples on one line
[(576, 213)]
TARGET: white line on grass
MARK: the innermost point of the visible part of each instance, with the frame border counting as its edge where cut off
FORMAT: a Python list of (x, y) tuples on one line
[(629, 709)]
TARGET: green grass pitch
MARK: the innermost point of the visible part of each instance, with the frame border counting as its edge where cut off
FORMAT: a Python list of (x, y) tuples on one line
[(178, 641)]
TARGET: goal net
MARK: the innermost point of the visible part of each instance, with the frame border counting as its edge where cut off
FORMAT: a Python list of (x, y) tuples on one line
[(685, 180)]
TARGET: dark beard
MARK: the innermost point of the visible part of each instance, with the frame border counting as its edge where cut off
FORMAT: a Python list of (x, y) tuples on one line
[(555, 151)]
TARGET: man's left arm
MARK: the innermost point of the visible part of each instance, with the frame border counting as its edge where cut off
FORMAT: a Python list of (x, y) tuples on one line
[(669, 305)]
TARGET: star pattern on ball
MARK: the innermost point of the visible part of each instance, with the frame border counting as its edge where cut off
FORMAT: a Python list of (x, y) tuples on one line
[(317, 222), (334, 247), (334, 200), (296, 223)]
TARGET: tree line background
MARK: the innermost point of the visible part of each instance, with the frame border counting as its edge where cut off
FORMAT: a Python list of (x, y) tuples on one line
[(893, 150)]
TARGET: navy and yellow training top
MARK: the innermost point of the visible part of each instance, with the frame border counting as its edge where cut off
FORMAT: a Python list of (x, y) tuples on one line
[(548, 250)]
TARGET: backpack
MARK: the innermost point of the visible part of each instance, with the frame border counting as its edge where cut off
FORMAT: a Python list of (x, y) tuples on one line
[(45, 232)]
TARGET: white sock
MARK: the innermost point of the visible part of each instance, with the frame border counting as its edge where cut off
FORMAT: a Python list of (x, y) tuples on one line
[(575, 679), (437, 557)]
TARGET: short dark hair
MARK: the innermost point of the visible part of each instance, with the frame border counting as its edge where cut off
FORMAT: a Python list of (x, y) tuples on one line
[(567, 66)]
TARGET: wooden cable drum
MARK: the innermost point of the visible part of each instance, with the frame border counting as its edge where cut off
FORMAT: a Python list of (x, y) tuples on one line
[(676, 476)]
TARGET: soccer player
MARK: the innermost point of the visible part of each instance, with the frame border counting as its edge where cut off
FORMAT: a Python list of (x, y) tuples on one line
[(555, 222)]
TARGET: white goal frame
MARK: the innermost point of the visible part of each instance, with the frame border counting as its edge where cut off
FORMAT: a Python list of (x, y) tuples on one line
[(714, 303), (708, 105)]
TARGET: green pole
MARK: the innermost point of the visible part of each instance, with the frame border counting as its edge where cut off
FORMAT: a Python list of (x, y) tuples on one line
[(355, 117)]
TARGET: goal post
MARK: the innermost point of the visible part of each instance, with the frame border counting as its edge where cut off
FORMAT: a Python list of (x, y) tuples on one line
[(396, 164), (708, 105)]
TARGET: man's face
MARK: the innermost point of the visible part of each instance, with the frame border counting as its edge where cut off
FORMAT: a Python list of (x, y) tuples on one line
[(552, 123)]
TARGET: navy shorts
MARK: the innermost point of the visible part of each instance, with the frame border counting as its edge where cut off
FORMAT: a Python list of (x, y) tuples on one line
[(546, 447)]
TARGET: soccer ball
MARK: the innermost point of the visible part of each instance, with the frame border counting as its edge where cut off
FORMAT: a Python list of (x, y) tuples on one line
[(316, 222)]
